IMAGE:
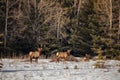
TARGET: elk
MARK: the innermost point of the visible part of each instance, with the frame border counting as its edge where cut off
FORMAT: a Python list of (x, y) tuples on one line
[(87, 57), (35, 55), (63, 55)]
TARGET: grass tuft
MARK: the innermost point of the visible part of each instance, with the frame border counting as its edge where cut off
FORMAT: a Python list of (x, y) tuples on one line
[(99, 64)]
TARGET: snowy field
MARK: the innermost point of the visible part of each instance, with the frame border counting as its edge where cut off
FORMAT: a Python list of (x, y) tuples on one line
[(17, 69)]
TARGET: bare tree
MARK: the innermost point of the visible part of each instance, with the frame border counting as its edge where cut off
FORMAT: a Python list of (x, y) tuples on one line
[(110, 15), (119, 27), (78, 11), (6, 24), (1, 35)]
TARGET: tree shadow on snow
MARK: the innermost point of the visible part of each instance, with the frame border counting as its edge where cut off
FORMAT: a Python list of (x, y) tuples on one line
[(17, 70)]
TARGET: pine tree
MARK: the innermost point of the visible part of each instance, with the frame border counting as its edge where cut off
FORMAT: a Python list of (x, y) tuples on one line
[(106, 39)]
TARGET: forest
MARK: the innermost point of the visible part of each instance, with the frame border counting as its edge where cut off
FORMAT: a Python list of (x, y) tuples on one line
[(83, 26)]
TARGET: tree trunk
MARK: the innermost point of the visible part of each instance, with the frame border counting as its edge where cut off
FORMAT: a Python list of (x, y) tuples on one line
[(119, 27), (110, 17), (59, 24), (78, 11), (6, 24)]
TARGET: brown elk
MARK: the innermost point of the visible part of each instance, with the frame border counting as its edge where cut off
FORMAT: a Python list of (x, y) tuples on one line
[(87, 57), (63, 55), (35, 55)]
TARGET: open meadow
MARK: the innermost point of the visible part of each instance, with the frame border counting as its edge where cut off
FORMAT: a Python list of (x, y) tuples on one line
[(18, 69)]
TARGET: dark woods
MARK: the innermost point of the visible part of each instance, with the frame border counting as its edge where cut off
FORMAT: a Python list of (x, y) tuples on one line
[(84, 26)]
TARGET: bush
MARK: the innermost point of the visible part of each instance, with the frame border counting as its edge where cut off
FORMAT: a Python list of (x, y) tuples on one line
[(75, 67), (66, 67), (99, 64), (119, 70)]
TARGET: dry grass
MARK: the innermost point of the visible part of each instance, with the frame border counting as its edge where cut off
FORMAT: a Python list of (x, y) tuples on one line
[(84, 60), (66, 67), (42, 57), (99, 64), (117, 57), (72, 58), (119, 70), (53, 58), (118, 65), (75, 67)]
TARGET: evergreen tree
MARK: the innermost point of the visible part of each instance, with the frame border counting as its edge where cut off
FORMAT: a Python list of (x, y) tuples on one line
[(106, 40)]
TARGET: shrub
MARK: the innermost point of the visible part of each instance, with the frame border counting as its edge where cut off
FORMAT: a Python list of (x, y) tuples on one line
[(99, 64), (119, 70), (75, 67), (66, 67)]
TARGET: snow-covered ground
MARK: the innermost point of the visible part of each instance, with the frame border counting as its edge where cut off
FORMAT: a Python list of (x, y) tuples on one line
[(16, 69)]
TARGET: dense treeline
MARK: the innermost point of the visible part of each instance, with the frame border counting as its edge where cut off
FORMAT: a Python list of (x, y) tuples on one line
[(84, 26)]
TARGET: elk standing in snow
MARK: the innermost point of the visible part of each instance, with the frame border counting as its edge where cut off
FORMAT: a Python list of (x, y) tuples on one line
[(87, 56), (63, 55), (35, 55)]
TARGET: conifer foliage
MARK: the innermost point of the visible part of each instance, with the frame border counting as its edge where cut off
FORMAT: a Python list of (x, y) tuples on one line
[(84, 26)]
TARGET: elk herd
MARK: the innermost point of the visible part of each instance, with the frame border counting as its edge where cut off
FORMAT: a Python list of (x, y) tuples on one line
[(59, 55), (34, 55)]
